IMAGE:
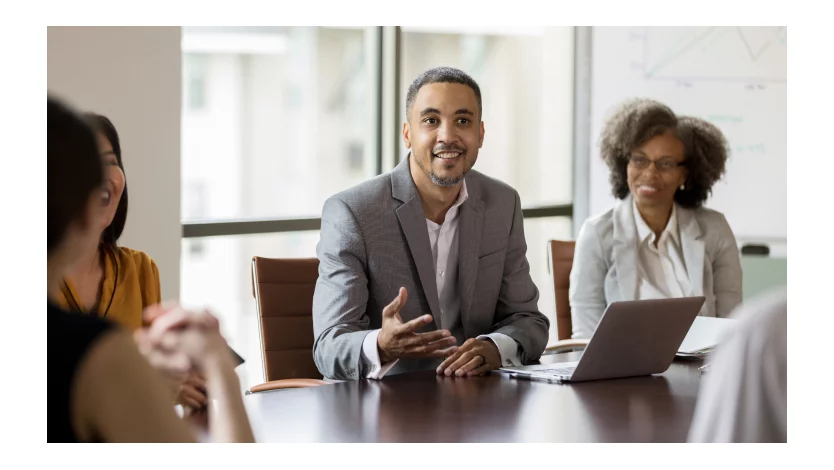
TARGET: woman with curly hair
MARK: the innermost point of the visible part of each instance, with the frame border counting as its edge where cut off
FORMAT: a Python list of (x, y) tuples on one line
[(657, 241)]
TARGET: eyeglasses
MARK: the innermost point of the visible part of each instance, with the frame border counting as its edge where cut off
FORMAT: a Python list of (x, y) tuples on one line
[(662, 165)]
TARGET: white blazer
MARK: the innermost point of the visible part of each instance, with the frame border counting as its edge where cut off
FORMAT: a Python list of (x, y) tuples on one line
[(605, 263)]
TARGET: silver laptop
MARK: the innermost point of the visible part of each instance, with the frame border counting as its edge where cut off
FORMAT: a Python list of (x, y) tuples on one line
[(633, 338)]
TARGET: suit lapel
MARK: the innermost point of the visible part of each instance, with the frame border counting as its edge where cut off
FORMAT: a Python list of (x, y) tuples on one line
[(470, 224), (624, 251), (692, 246), (413, 223)]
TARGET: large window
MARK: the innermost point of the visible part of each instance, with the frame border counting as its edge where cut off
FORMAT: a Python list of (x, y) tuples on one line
[(276, 119)]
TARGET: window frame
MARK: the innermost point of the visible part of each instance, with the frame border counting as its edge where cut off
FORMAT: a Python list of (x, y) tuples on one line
[(386, 45)]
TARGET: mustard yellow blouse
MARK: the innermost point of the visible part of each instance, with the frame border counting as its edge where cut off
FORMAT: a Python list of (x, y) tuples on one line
[(123, 299)]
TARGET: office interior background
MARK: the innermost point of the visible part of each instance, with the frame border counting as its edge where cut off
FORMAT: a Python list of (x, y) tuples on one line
[(233, 137)]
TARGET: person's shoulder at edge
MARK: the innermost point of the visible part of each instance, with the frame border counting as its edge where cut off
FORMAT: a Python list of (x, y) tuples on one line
[(358, 196), (114, 376), (490, 185), (709, 217), (602, 224), (714, 225), (491, 191), (138, 258), (145, 270), (142, 264), (761, 316)]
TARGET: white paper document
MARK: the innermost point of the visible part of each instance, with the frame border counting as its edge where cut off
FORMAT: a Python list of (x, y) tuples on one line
[(705, 334)]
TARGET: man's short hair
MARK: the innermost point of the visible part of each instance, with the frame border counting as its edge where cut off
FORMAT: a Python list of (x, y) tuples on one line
[(441, 75)]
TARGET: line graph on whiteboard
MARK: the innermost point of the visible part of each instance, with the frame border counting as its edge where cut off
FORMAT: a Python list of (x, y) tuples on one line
[(755, 54)]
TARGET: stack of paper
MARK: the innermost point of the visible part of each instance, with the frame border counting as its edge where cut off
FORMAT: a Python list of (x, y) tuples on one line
[(705, 334)]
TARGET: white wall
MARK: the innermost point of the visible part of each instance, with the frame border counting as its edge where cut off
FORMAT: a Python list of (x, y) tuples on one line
[(132, 76)]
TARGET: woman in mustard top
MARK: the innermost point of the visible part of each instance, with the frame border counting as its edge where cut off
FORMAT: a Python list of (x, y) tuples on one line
[(113, 281)]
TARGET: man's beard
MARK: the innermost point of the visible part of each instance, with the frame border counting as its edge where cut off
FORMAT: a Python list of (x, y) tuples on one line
[(443, 181), (446, 181)]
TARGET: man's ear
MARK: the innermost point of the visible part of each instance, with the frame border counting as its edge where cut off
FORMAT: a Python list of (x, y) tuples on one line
[(406, 134)]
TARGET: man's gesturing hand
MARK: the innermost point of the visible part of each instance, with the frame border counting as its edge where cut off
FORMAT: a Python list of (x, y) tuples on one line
[(400, 340)]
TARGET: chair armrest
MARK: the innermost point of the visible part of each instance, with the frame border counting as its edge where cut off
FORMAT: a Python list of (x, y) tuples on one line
[(566, 345), (285, 383)]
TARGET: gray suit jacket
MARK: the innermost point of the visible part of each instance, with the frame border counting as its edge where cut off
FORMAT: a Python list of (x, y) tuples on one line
[(374, 239), (605, 263)]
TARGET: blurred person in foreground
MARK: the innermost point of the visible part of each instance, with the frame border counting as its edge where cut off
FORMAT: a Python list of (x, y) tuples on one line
[(100, 387), (111, 280), (744, 394)]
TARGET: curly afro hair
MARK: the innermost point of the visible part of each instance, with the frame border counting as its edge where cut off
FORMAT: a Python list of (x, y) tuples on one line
[(636, 121)]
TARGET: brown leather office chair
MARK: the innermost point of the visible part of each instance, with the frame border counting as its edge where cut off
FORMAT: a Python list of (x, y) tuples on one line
[(560, 263), (283, 291)]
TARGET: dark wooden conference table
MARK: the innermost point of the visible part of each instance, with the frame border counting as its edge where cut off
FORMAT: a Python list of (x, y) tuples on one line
[(425, 407)]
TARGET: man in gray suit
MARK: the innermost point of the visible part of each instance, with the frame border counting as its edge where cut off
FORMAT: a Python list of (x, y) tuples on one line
[(431, 236)]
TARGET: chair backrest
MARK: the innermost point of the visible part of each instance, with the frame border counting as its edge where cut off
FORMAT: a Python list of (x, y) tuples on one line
[(560, 262), (283, 291)]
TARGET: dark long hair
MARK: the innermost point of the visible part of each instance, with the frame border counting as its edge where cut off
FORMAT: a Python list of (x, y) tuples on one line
[(74, 170), (104, 126)]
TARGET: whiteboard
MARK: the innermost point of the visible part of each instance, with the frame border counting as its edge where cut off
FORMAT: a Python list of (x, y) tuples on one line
[(734, 77)]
